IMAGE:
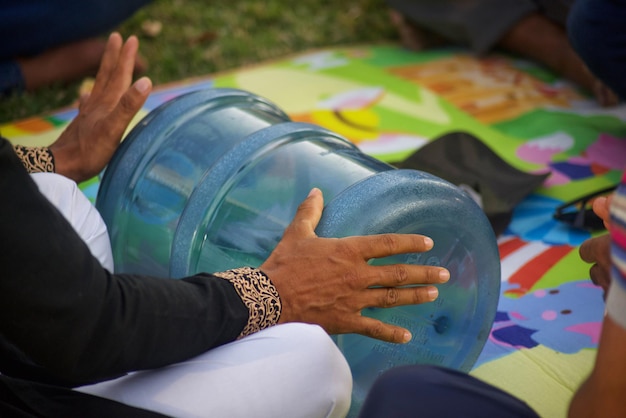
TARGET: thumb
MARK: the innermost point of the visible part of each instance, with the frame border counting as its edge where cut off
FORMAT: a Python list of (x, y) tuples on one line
[(308, 215)]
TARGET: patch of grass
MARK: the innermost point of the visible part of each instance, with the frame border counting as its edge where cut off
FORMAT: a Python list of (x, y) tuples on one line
[(201, 38)]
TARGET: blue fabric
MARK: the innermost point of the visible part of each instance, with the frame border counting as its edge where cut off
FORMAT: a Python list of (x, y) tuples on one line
[(10, 76), (29, 27), (435, 392), (596, 31), (33, 26)]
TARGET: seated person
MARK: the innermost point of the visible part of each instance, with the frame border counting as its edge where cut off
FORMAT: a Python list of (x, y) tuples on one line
[(534, 29), (78, 340)]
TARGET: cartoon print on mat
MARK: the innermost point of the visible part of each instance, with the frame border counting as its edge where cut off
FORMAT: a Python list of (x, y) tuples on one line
[(604, 154), (540, 300), (532, 221), (490, 89), (524, 264), (553, 317), (351, 115)]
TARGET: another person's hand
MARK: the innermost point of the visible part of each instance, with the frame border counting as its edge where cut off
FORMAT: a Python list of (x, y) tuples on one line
[(597, 250), (601, 207), (328, 281), (89, 141), (602, 393)]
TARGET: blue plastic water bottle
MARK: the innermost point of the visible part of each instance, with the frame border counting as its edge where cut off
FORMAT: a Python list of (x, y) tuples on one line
[(209, 181)]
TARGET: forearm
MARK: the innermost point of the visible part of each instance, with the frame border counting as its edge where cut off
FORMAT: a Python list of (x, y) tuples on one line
[(68, 314), (602, 394)]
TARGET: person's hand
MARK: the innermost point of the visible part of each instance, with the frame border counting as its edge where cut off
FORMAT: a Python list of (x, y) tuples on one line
[(602, 393), (328, 281), (601, 207), (89, 141), (598, 250)]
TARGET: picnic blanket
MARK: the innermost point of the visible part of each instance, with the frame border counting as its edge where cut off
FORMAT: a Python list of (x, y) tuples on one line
[(390, 102)]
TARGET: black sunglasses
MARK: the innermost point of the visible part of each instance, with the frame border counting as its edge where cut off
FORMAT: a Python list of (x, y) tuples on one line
[(579, 213)]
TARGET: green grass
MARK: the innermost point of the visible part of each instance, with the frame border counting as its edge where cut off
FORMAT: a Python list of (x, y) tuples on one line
[(201, 38)]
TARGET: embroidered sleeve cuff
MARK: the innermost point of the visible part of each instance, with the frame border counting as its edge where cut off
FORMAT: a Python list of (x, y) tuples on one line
[(35, 159), (258, 294)]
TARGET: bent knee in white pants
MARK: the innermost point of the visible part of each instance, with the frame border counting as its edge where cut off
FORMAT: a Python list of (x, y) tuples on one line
[(65, 195), (290, 370)]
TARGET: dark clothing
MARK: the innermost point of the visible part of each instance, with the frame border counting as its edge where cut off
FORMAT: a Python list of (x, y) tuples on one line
[(596, 32), (436, 392), (27, 399), (463, 159), (477, 24), (30, 27), (66, 321)]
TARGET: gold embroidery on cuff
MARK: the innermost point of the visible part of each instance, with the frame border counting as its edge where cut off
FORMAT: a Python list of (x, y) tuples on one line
[(258, 294), (35, 159)]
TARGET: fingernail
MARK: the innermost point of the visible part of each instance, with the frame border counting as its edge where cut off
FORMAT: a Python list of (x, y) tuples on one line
[(444, 275), (314, 191), (406, 337), (433, 293), (428, 242), (143, 84)]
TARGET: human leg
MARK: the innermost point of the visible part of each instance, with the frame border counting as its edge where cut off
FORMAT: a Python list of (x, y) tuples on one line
[(34, 26), (596, 31), (477, 24), (64, 63), (429, 391), (56, 40), (537, 37), (290, 370), (79, 212)]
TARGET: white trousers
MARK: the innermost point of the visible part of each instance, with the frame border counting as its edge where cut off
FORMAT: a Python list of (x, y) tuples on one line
[(286, 371), (78, 210)]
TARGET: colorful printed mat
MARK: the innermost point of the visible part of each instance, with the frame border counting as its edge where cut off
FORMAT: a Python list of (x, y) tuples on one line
[(390, 102)]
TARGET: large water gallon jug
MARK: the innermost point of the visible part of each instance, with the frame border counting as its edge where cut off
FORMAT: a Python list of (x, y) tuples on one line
[(210, 180)]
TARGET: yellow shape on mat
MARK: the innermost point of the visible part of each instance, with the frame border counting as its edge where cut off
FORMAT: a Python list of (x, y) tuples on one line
[(543, 378), (300, 92)]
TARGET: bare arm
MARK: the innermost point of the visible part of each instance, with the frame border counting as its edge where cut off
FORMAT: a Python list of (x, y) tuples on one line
[(602, 394)]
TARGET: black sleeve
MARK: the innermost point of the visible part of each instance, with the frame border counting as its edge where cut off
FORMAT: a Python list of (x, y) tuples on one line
[(81, 323)]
